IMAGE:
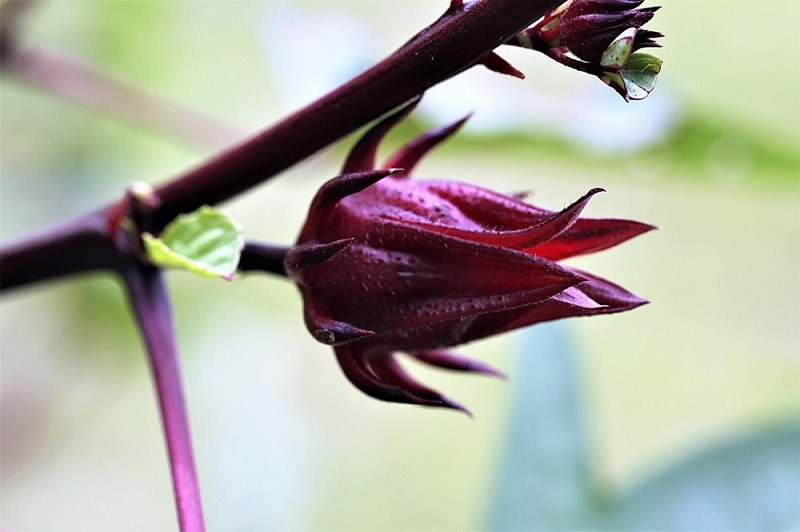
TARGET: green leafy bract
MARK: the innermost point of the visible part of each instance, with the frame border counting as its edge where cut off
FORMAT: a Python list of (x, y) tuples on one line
[(207, 242), (640, 72), (637, 77), (618, 51)]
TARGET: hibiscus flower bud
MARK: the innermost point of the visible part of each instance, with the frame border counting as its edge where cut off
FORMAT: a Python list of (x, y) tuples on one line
[(601, 38), (588, 27), (387, 264)]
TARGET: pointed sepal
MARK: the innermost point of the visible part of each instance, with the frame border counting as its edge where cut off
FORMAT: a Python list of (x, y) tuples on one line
[(362, 157), (344, 185), (391, 372), (326, 329), (521, 239), (378, 375), (441, 358), (409, 155), (495, 63), (305, 256), (589, 235)]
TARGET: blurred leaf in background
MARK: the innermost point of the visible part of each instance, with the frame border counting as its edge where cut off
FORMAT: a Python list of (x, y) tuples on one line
[(546, 479)]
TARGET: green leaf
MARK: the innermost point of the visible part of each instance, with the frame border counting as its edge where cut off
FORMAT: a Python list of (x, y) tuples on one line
[(644, 63), (618, 51), (544, 480), (207, 242), (750, 483), (616, 82), (640, 73), (636, 78)]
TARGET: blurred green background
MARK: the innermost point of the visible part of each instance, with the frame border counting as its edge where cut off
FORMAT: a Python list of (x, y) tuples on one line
[(603, 420)]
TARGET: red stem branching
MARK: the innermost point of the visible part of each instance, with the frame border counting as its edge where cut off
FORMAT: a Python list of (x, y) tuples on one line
[(103, 241), (458, 40), (80, 245)]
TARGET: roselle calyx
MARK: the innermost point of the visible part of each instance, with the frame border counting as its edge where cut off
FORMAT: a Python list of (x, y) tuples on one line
[(386, 263), (601, 38), (588, 27)]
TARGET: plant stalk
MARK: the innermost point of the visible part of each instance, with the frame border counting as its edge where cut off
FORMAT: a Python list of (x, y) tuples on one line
[(455, 42), (76, 246), (151, 307)]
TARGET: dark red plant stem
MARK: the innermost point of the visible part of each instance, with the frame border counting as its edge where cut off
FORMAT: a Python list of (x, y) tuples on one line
[(455, 42), (77, 246), (576, 64), (263, 258), (152, 310), (532, 42)]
